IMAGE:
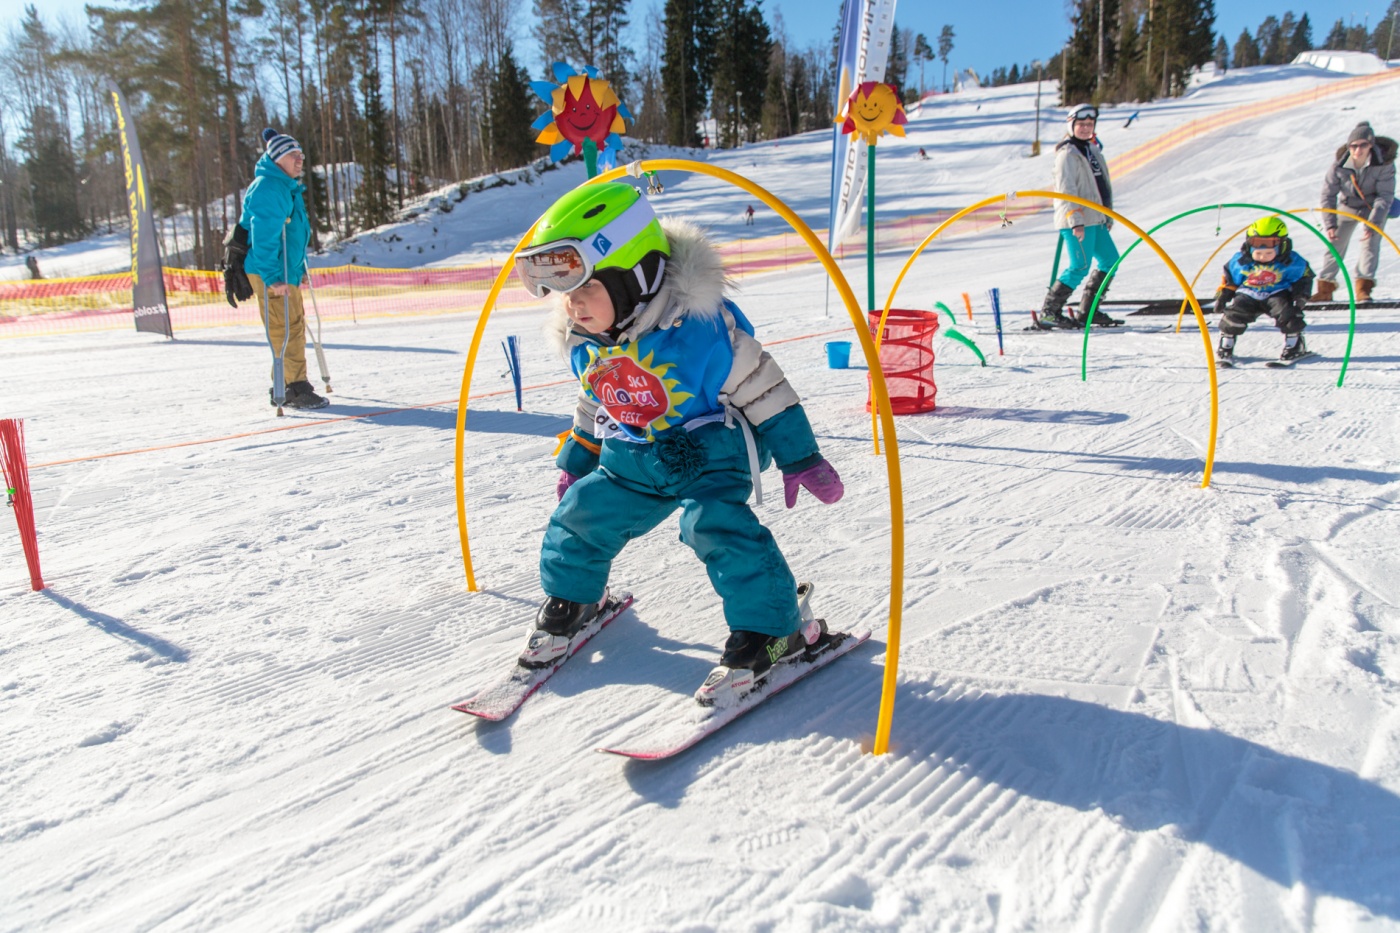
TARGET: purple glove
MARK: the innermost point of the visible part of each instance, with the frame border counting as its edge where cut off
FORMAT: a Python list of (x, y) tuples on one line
[(566, 479), (821, 481)]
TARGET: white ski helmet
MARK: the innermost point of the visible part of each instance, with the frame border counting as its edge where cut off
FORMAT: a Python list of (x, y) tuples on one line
[(1081, 112)]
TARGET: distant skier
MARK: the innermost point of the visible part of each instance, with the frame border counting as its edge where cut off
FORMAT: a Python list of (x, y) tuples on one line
[(923, 155), (1265, 277), (679, 407), (32, 264), (748, 216), (1082, 171)]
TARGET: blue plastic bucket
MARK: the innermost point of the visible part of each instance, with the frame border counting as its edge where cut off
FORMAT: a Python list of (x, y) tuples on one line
[(838, 354)]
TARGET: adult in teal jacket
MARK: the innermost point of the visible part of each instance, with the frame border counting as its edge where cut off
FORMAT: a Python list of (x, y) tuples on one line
[(274, 214)]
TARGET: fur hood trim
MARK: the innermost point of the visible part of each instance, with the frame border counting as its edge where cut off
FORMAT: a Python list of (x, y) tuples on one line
[(1384, 146), (695, 284)]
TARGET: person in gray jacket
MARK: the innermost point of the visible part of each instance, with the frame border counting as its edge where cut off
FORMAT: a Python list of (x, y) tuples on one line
[(1081, 170), (1362, 182)]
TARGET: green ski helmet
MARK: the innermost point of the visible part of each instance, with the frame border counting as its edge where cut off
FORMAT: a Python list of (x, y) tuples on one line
[(1268, 233), (591, 229)]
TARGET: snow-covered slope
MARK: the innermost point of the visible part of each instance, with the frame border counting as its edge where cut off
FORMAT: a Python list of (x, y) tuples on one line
[(1125, 702)]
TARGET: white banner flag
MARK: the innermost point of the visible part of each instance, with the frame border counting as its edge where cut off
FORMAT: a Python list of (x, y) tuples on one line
[(864, 49)]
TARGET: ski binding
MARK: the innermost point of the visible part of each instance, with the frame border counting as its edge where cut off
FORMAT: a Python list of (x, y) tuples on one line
[(508, 694)]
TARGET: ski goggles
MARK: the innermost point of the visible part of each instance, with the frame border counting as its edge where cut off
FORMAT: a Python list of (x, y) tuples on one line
[(1264, 242), (564, 265), (1084, 113)]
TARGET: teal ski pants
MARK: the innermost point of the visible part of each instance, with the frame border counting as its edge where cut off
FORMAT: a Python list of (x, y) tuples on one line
[(633, 491), (1097, 245)]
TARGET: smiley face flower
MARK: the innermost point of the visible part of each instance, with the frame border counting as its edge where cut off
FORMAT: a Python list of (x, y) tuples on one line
[(872, 110), (582, 106)]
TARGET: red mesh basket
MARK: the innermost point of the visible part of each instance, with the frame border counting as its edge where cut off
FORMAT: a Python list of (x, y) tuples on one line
[(906, 356)]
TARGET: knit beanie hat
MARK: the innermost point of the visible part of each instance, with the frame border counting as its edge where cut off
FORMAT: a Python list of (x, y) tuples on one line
[(629, 288), (278, 144), (1362, 133)]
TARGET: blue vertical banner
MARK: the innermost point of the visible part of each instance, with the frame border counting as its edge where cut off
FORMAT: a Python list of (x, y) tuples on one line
[(863, 51), (994, 296), (512, 347), (148, 302)]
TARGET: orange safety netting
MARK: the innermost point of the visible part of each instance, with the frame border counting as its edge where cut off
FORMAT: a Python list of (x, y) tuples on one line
[(196, 298)]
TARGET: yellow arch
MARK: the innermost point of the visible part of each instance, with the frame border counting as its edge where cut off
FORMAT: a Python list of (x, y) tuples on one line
[(1200, 317), (877, 381), (1302, 210)]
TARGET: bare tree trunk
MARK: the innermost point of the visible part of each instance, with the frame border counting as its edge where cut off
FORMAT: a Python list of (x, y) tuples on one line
[(231, 110), (394, 92)]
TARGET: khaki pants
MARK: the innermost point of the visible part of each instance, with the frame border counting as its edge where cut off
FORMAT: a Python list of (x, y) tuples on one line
[(284, 315)]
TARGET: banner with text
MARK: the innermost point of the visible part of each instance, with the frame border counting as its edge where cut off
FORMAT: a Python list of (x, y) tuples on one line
[(147, 281), (863, 52)]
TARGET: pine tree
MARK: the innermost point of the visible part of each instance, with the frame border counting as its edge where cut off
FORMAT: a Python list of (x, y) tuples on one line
[(687, 69), (53, 180), (945, 49), (897, 65), (1336, 39), (1301, 39), (923, 54), (372, 207), (512, 141), (1267, 38), (1246, 52), (742, 47), (1384, 38)]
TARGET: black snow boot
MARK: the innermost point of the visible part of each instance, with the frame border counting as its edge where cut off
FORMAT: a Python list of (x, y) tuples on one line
[(756, 652), (1052, 312), (301, 395), (1086, 301), (562, 617)]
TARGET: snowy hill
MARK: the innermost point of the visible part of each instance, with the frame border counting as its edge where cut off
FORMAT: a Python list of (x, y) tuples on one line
[(1125, 702)]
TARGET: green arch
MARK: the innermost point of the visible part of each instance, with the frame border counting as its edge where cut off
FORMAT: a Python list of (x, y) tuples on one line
[(1351, 293)]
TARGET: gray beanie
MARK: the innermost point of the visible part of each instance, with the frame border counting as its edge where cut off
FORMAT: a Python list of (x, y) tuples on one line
[(278, 144), (1362, 134)]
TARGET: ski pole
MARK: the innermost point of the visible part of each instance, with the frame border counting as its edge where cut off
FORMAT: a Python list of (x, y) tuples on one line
[(994, 296), (279, 391), (316, 335)]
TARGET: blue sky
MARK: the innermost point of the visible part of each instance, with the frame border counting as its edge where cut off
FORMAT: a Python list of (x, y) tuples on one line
[(983, 40)]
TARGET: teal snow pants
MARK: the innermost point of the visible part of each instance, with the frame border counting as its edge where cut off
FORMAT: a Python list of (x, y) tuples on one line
[(1097, 245), (633, 491)]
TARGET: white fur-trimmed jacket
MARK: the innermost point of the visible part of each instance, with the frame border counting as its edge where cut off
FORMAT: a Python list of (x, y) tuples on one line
[(691, 300), (1074, 176)]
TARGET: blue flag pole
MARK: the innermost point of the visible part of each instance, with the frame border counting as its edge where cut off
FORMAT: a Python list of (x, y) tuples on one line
[(512, 347), (994, 296)]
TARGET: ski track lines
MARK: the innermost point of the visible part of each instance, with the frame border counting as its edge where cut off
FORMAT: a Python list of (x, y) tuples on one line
[(1126, 703)]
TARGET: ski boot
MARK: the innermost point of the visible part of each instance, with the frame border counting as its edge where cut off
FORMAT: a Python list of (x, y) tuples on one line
[(1293, 348), (1052, 315), (1086, 301), (1225, 352), (302, 395), (749, 656), (556, 624)]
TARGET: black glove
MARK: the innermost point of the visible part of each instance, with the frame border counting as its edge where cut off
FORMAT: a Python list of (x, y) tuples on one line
[(236, 285), (1222, 298)]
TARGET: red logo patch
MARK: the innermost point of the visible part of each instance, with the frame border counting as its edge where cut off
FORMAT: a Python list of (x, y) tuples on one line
[(633, 396), (1263, 277)]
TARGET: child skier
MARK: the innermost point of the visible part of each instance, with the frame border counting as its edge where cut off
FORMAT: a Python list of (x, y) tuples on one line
[(1265, 277), (678, 406)]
